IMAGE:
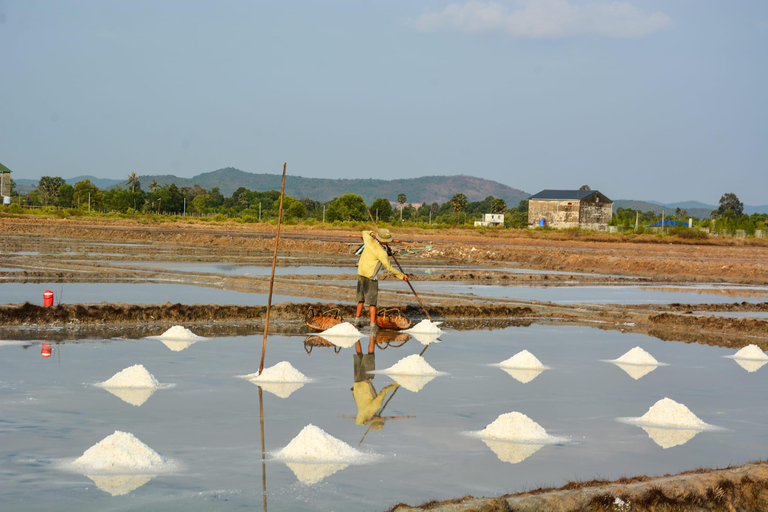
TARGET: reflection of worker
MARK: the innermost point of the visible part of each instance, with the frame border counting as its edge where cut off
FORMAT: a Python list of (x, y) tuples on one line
[(368, 401), (374, 256)]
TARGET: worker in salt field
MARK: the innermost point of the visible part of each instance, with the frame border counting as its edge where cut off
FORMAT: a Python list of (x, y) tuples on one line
[(367, 399), (374, 256)]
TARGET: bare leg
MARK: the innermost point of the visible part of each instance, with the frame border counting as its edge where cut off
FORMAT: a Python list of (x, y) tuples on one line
[(358, 312), (372, 310), (371, 343)]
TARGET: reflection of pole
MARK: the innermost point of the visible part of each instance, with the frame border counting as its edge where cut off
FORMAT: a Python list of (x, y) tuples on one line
[(263, 451), (272, 279)]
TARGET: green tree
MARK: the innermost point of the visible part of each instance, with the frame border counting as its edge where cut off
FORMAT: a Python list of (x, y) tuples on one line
[(66, 193), (292, 207), (153, 186), (584, 187), (730, 203), (347, 207), (381, 209), (86, 195), (132, 180), (48, 187), (498, 206), (458, 203)]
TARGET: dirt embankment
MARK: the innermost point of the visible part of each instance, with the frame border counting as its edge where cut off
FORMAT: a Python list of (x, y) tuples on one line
[(739, 262), (739, 488)]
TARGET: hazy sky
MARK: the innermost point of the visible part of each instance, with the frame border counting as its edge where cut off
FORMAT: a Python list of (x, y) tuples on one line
[(649, 99)]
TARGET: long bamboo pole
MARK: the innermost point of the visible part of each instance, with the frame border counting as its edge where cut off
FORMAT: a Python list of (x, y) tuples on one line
[(272, 278)]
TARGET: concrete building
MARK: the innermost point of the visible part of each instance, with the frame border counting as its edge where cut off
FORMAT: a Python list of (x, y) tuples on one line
[(5, 184), (491, 219), (585, 209)]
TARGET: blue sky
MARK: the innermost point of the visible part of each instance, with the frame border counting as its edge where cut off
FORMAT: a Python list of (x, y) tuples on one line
[(660, 100)]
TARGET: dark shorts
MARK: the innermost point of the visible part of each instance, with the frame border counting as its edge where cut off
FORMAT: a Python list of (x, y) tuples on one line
[(367, 290), (364, 364)]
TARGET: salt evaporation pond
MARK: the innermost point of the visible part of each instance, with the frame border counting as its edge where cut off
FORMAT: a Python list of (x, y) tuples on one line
[(209, 422)]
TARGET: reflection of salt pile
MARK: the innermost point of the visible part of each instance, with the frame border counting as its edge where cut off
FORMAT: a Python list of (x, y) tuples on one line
[(411, 365), (120, 452), (342, 335), (511, 452), (281, 379), (426, 338), (637, 363), (413, 383), (669, 423), (133, 385), (425, 327), (751, 358), (313, 455), (178, 338), (118, 485), (523, 376), (669, 437)]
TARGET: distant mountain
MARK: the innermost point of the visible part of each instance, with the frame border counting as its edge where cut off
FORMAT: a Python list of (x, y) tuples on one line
[(643, 206), (418, 190)]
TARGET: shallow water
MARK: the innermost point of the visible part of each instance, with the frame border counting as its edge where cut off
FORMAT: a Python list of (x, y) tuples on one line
[(138, 293), (209, 421)]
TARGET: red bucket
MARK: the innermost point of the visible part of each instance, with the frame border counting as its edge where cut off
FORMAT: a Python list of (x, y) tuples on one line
[(47, 298)]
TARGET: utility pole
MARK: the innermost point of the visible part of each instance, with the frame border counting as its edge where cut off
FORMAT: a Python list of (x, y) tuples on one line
[(185, 207), (323, 214), (89, 202)]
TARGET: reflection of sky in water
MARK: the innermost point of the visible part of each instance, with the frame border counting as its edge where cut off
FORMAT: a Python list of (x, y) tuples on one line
[(209, 421)]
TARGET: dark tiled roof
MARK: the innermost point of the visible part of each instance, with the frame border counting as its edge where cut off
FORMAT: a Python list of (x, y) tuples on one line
[(576, 195)]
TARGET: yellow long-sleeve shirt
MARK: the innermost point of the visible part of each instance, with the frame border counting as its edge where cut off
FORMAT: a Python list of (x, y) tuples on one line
[(374, 256), (368, 402)]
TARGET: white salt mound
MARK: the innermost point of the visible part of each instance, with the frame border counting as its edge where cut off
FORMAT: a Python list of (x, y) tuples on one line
[(178, 332), (637, 356), (135, 376), (750, 364), (752, 352), (666, 413), (426, 327), (313, 444), (517, 427), (281, 372), (120, 451), (411, 365), (342, 329), (523, 360)]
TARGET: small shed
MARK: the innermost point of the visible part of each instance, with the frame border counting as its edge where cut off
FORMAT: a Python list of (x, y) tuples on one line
[(491, 219), (585, 209)]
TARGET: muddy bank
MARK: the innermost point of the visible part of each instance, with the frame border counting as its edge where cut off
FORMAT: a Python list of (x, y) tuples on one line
[(738, 488)]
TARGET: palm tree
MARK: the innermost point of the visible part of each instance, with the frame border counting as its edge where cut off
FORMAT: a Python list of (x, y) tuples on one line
[(401, 199), (153, 186), (132, 179)]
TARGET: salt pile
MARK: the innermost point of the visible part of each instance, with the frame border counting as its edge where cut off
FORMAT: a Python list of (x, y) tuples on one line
[(411, 365), (523, 360), (342, 329), (281, 380), (179, 333), (751, 353), (339, 341), (516, 427), (666, 413), (314, 445), (135, 376), (133, 385), (637, 356), (281, 372), (426, 327), (119, 452)]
